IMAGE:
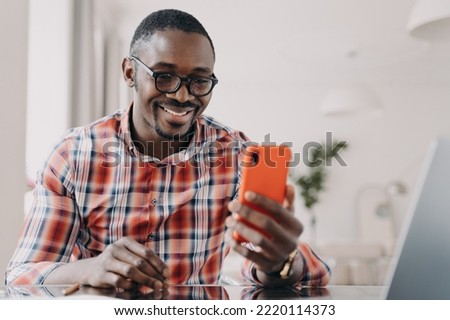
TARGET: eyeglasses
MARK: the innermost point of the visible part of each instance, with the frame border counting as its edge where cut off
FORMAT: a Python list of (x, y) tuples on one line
[(170, 82)]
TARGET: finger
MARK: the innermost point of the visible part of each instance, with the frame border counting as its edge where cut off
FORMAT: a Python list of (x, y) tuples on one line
[(137, 295), (243, 251), (282, 240), (256, 238), (141, 264), (148, 255), (264, 223), (115, 280), (270, 248), (155, 295), (277, 246), (234, 206), (110, 291), (122, 270), (290, 197), (263, 202), (283, 217), (230, 222), (261, 262), (275, 249)]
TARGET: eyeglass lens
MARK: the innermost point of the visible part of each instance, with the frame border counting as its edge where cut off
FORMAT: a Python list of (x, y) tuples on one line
[(171, 83)]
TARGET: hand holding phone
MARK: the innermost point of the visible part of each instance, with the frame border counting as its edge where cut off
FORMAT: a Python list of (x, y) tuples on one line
[(264, 171)]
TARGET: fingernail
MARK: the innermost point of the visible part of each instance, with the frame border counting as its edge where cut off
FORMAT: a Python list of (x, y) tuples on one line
[(229, 239), (166, 273), (234, 206), (230, 222), (250, 195), (158, 285)]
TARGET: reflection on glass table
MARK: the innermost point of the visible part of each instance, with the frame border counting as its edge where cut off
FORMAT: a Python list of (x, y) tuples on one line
[(196, 292)]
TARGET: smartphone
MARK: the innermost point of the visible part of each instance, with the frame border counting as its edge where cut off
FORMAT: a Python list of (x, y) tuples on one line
[(264, 171)]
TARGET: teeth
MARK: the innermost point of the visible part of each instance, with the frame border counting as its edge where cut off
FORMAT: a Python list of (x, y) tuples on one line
[(175, 113)]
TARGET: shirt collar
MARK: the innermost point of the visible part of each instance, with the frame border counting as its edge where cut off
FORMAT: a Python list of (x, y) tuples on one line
[(125, 131)]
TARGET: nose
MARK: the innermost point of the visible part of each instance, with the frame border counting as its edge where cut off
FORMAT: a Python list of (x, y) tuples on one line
[(182, 94)]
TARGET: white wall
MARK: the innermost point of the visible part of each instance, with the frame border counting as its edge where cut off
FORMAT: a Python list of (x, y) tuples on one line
[(36, 88), (13, 89), (49, 78), (389, 147)]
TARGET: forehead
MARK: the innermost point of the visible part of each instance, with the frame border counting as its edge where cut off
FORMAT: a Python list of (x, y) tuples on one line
[(184, 50)]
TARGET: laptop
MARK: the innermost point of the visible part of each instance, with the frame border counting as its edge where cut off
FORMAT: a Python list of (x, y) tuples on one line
[(420, 267)]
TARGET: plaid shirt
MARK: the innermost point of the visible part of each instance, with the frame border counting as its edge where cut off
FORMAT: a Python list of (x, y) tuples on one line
[(96, 188)]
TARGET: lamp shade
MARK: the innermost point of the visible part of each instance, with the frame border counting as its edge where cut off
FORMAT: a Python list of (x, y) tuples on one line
[(430, 20), (349, 99)]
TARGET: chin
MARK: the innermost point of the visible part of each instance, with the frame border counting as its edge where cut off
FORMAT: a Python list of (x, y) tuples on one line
[(173, 135)]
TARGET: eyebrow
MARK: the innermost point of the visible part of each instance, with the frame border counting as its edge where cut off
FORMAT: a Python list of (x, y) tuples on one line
[(173, 66)]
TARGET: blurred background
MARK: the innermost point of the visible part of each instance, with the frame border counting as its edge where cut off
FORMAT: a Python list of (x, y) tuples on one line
[(374, 74)]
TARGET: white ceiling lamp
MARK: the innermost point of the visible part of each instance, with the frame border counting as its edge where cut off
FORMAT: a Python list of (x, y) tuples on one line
[(351, 96), (349, 99), (430, 20)]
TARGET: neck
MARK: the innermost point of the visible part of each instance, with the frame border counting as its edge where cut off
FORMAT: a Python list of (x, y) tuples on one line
[(163, 148), (156, 146)]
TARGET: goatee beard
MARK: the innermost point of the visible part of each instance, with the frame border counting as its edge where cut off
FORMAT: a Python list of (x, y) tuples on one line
[(177, 136)]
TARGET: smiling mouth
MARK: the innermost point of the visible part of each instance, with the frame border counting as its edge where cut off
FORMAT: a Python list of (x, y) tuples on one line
[(177, 114)]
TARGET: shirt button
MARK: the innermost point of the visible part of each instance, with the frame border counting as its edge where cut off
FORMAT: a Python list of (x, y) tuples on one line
[(154, 201), (151, 236)]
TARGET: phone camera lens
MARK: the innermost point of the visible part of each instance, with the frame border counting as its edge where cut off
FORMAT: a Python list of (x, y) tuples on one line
[(255, 158)]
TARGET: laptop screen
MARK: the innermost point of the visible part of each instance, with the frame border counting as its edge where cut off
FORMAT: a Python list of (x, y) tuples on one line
[(421, 265)]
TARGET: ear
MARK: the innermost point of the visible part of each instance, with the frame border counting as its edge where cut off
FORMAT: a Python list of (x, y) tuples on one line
[(128, 71)]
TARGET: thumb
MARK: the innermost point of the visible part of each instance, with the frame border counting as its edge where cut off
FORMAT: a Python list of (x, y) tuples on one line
[(289, 199)]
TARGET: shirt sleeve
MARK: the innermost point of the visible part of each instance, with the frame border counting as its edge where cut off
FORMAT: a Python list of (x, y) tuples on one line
[(316, 272), (49, 232)]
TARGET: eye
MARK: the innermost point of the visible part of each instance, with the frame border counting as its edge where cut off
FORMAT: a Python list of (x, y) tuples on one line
[(165, 76), (167, 81), (200, 83)]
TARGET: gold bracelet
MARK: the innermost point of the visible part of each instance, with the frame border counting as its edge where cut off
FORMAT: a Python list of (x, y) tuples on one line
[(286, 270), (287, 267)]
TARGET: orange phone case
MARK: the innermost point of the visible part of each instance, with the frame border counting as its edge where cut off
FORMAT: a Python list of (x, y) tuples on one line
[(264, 171)]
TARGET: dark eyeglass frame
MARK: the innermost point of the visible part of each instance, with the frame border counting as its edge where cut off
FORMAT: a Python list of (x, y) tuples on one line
[(189, 80)]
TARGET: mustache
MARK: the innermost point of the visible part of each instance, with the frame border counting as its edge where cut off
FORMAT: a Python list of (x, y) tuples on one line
[(177, 104)]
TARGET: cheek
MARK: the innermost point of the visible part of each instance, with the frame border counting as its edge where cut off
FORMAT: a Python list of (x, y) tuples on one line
[(146, 89), (205, 101), (149, 99)]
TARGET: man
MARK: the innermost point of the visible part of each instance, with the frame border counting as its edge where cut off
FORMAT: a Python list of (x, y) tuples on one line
[(143, 197)]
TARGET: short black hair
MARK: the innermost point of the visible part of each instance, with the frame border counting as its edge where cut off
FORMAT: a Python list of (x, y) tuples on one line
[(165, 20)]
